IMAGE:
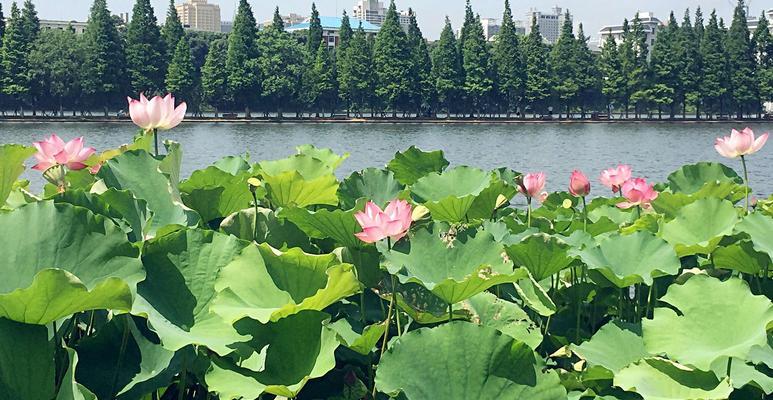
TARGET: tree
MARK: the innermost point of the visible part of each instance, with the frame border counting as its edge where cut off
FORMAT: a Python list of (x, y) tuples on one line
[(2, 22), (741, 62), (691, 65), (392, 63), (478, 83), (639, 79), (699, 26), (666, 62), (421, 67), (277, 22), (446, 69), (508, 64), (563, 61), (30, 24), (214, 76), (588, 77), (355, 77), (181, 77), (281, 63), (537, 88), (104, 67), (341, 60), (714, 78), (172, 31), (56, 63), (345, 34), (145, 61), (324, 87), (15, 79), (469, 21), (613, 83), (242, 59), (764, 43), (314, 35)]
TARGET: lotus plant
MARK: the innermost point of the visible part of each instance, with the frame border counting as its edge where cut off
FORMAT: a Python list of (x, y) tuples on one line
[(638, 193), (579, 186), (158, 113), (741, 144), (392, 223), (614, 178), (55, 157), (532, 185)]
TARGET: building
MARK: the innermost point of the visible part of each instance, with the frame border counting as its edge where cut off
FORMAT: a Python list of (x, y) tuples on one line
[(650, 24), (549, 23), (226, 26), (79, 27), (331, 28), (198, 15), (753, 21), (491, 27), (374, 12), (289, 20)]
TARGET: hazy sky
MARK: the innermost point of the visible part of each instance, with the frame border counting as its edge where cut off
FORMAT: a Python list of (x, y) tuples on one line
[(592, 13)]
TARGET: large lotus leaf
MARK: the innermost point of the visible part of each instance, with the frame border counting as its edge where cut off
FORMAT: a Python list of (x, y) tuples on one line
[(535, 296), (708, 324), (659, 379), (214, 193), (413, 164), (362, 343), (338, 225), (131, 214), (182, 269), (142, 367), (543, 255), (12, 158), (265, 284), (699, 226), (691, 178), (140, 173), (449, 195), (377, 185), (327, 156), (613, 347), (759, 227), (507, 317), (70, 389), (277, 232), (465, 361), (453, 269), (742, 374), (497, 194), (635, 258), (233, 164), (420, 304), (292, 189), (741, 257), (26, 362), (307, 166), (669, 203), (59, 259), (299, 347)]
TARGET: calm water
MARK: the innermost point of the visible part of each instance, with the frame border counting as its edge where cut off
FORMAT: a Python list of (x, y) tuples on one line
[(653, 149)]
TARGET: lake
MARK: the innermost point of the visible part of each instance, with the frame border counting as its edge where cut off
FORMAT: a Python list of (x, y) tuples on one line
[(653, 149)]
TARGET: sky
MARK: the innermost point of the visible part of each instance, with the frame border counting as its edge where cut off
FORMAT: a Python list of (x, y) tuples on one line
[(431, 13)]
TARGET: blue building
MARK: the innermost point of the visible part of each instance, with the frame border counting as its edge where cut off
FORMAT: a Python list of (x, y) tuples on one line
[(331, 28)]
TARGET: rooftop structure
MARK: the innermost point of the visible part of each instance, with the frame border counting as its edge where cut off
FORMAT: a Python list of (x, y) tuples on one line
[(331, 28), (79, 27)]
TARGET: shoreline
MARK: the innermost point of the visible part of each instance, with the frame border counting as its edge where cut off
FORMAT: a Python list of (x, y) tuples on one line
[(428, 121)]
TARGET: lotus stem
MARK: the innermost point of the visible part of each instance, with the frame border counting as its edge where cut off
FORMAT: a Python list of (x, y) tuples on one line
[(584, 215), (90, 325), (386, 335), (121, 353), (746, 183), (155, 139), (450, 312), (528, 212), (729, 365), (255, 217), (183, 380)]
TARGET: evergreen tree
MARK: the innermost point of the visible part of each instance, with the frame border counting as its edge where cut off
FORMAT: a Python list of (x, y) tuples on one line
[(278, 23), (392, 63), (181, 77), (588, 77), (281, 63), (764, 43), (345, 34), (242, 59), (509, 64), (446, 69), (627, 55), (714, 77), (537, 88), (690, 73), (639, 73), (214, 76), (104, 67), (172, 31), (666, 62), (341, 60), (56, 66), (741, 62), (613, 86), (314, 35), (324, 88), (469, 21), (421, 67), (15, 79), (2, 22), (565, 70), (30, 24), (145, 50), (478, 82), (699, 24), (356, 77)]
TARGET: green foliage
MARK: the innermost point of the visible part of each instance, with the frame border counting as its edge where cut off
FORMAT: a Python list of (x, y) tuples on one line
[(509, 63), (104, 77), (172, 31), (145, 50), (447, 68), (392, 63), (537, 87), (214, 76), (242, 58), (181, 75)]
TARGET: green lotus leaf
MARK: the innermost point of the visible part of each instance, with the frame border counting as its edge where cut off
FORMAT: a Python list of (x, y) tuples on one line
[(233, 164), (659, 379), (413, 164), (182, 269), (709, 324), (699, 226), (70, 389), (450, 195), (338, 225), (307, 166), (453, 270), (131, 214), (507, 317), (692, 178), (742, 374), (535, 296), (420, 304), (214, 193), (670, 203), (613, 347), (299, 348), (59, 259), (377, 185), (762, 354), (265, 284), (362, 343), (499, 190), (543, 255), (138, 172), (12, 158), (277, 232), (477, 362), (327, 156), (635, 258), (27, 368), (171, 163), (292, 189), (759, 227), (740, 257)]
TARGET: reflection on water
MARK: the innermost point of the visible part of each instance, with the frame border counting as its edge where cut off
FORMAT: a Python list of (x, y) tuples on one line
[(653, 149)]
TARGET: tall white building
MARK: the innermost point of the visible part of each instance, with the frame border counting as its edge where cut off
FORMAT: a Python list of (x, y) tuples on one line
[(78, 27), (549, 23), (198, 15), (650, 24), (491, 27), (373, 11)]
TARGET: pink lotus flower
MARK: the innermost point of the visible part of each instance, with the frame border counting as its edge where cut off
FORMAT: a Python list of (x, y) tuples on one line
[(54, 151), (579, 185), (394, 222), (532, 184), (638, 193), (157, 113), (543, 197), (613, 178), (739, 144)]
